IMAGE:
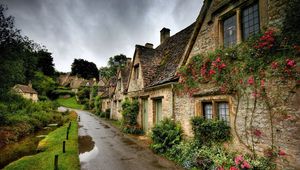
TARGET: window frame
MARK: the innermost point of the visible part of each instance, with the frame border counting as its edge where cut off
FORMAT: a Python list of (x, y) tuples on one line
[(200, 104), (136, 71), (253, 19)]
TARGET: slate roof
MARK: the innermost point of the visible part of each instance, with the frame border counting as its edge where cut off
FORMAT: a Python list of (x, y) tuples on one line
[(170, 53), (25, 89)]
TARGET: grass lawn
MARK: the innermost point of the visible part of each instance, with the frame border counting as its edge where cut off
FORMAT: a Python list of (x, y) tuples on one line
[(51, 146), (69, 102)]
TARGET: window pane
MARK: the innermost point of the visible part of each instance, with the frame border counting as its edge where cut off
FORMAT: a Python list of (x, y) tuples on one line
[(230, 31), (207, 109), (250, 21), (223, 111)]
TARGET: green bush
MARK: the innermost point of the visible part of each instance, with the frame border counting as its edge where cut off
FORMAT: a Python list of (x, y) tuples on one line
[(130, 111), (210, 131), (165, 134), (105, 114)]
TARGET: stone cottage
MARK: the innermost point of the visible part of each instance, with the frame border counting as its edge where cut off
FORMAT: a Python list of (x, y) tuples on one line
[(26, 91), (221, 24), (153, 75), (120, 90), (107, 93)]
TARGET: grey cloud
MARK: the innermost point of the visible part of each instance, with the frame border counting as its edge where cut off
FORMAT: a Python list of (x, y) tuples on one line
[(98, 29)]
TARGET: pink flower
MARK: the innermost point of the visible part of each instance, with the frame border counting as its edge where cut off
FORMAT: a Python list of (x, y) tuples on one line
[(218, 59), (238, 159), (246, 165), (223, 65), (255, 94), (211, 72), (251, 80), (233, 168), (290, 63), (281, 153)]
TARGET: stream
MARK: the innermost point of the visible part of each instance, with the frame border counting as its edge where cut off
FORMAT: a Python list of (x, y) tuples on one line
[(24, 147)]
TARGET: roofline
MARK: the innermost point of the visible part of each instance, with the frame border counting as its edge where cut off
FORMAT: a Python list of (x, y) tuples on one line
[(159, 86), (199, 23)]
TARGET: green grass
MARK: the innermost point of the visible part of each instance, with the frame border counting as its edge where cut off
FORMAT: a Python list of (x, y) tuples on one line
[(69, 102), (51, 146)]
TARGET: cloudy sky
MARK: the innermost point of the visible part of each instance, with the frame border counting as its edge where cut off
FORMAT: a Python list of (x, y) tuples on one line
[(98, 29)]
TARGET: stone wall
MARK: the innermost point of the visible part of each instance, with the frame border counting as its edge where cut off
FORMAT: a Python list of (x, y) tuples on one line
[(136, 85)]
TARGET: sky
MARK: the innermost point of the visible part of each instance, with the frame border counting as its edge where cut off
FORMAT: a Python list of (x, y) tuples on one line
[(95, 30)]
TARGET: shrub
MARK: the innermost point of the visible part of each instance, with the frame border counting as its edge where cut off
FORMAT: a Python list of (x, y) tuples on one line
[(210, 131), (165, 134), (105, 114), (130, 111)]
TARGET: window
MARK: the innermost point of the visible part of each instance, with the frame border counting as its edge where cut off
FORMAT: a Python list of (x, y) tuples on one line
[(223, 111), (214, 109), (250, 21), (136, 72), (207, 110), (229, 31)]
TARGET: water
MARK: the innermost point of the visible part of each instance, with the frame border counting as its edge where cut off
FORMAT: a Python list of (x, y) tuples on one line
[(26, 146)]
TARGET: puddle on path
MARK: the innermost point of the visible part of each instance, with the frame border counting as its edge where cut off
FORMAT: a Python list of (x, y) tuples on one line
[(85, 143)]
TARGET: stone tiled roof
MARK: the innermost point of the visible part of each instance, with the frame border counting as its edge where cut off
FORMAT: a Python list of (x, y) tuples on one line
[(25, 89), (168, 56)]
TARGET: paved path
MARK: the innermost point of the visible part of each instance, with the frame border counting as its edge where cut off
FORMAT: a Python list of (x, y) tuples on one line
[(103, 147)]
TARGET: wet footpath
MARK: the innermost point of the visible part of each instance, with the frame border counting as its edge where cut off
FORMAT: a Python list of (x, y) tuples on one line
[(103, 147)]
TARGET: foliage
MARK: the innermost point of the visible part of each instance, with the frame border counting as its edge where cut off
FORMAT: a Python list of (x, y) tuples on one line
[(98, 105), (51, 146), (105, 114), (130, 111), (19, 55), (84, 69), (84, 96), (60, 93), (165, 134), (113, 64), (43, 84), (210, 131), (45, 63)]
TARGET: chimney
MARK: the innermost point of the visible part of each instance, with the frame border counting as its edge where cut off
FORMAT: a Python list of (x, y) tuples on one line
[(29, 84), (164, 34), (149, 45)]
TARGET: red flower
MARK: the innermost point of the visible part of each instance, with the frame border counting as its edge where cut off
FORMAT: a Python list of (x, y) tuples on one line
[(246, 165), (257, 133), (223, 65), (211, 72), (218, 59), (233, 168), (251, 80), (281, 153)]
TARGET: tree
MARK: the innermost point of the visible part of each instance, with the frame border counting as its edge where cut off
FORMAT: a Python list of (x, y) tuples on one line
[(113, 64), (43, 84), (84, 69), (45, 62)]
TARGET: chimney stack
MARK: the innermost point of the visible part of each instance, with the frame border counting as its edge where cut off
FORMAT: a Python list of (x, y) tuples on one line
[(164, 34), (30, 84), (149, 45)]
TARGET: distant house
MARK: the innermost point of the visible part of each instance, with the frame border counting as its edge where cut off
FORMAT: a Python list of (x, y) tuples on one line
[(26, 91), (106, 94), (120, 90)]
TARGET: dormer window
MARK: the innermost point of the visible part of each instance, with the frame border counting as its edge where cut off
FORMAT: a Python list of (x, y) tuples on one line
[(136, 71)]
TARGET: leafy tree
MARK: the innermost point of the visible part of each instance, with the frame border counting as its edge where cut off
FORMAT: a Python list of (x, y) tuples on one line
[(113, 64), (45, 63), (43, 84), (84, 69)]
